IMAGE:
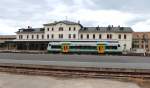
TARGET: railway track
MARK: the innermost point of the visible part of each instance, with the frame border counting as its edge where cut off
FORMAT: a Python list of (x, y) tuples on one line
[(74, 71)]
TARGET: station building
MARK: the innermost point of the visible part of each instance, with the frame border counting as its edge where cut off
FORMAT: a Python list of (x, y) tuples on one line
[(38, 38)]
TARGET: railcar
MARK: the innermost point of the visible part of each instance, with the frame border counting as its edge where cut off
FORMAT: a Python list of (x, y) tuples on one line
[(80, 47)]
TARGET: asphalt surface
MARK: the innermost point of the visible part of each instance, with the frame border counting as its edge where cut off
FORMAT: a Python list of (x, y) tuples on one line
[(133, 62)]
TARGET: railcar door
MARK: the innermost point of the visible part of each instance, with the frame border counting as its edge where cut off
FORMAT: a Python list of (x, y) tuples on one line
[(101, 49), (65, 48)]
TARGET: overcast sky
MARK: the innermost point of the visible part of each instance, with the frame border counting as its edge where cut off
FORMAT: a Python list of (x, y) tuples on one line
[(17, 14)]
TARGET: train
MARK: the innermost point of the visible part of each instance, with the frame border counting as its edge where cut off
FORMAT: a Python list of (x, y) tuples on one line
[(85, 47)]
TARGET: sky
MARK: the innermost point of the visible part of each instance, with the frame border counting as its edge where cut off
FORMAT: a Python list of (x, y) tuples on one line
[(16, 14)]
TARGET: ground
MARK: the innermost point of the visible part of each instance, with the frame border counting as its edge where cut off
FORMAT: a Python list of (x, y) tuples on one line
[(24, 81)]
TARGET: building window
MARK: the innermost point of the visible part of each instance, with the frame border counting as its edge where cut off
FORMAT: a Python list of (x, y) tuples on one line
[(20, 36), (110, 36), (93, 36), (125, 36), (87, 36), (60, 28), (142, 46), (74, 36), (81, 36), (60, 36), (69, 28), (74, 28), (52, 29), (32, 36), (107, 36), (69, 36), (119, 36), (47, 36), (42, 36), (27, 36), (52, 36), (47, 29), (100, 36), (37, 36)]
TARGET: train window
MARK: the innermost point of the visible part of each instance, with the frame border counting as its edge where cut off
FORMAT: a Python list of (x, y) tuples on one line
[(49, 45), (111, 47), (56, 46), (82, 47)]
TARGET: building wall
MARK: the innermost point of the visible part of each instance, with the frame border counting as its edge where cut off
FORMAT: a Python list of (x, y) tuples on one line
[(138, 40), (56, 32), (125, 43), (24, 36)]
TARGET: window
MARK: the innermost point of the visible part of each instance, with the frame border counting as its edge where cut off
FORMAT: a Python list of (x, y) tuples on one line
[(37, 36), (52, 29), (47, 36), (47, 29), (27, 36), (142, 46), (60, 36), (125, 36), (20, 36), (52, 36), (42, 36), (110, 36), (69, 28), (93, 36), (60, 28), (87, 36), (74, 36), (81, 36), (69, 36), (107, 36), (32, 36), (100, 36), (119, 36), (74, 28)]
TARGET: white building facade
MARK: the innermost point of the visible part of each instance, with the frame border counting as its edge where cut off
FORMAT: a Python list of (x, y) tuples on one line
[(66, 30)]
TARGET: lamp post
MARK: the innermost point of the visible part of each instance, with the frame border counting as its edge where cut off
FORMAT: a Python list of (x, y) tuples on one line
[(144, 40)]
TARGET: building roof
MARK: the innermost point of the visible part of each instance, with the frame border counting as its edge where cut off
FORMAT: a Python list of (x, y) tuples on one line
[(31, 30), (106, 29), (4, 38), (65, 22), (8, 36)]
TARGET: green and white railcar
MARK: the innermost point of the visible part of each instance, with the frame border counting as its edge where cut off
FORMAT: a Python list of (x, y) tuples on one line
[(93, 47)]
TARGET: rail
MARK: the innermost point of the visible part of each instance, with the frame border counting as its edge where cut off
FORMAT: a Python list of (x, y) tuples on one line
[(74, 71)]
